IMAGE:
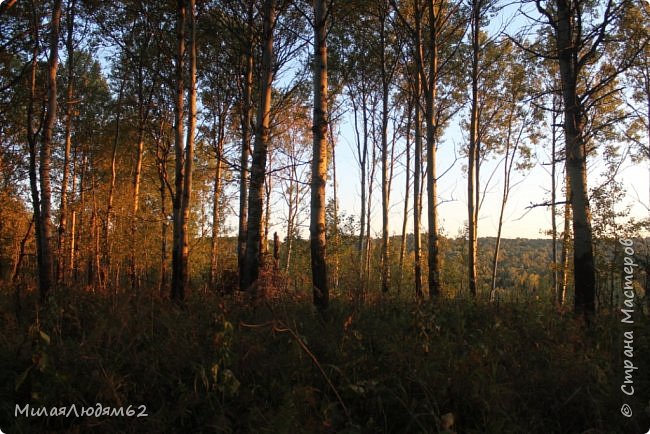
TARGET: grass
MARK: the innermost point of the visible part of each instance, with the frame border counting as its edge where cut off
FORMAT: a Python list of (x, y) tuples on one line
[(388, 366)]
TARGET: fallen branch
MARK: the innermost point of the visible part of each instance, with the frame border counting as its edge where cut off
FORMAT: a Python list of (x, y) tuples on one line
[(280, 327)]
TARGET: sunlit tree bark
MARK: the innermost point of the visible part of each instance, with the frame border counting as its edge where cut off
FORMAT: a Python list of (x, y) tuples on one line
[(45, 268), (184, 154), (253, 259), (63, 208), (319, 159)]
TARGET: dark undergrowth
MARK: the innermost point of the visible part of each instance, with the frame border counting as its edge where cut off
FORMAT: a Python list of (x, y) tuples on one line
[(388, 366)]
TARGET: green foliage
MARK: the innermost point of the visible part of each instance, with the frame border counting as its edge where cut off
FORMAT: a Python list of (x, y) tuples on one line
[(216, 365)]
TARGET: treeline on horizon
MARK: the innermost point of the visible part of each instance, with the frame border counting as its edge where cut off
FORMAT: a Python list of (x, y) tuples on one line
[(525, 270)]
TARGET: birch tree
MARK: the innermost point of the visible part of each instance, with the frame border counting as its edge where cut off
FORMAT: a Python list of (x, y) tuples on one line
[(579, 38), (42, 202), (184, 153), (317, 225), (253, 259)]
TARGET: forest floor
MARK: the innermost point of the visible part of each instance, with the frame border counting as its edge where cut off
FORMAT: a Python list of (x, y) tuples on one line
[(387, 366)]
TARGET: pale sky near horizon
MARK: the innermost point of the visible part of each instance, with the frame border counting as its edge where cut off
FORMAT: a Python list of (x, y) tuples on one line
[(532, 187)]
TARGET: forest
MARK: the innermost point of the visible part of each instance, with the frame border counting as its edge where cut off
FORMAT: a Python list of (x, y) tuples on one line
[(275, 216)]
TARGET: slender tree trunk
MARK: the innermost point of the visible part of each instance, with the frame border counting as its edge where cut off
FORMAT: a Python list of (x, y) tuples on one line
[(497, 247), (432, 136), (111, 189), (82, 209), (252, 260), (73, 224), (95, 278), (385, 188), (554, 152), (407, 188), (178, 278), (417, 183), (246, 120), (362, 152), (566, 240), (371, 182), (135, 206), (73, 244), (473, 153), (417, 206), (507, 171), (583, 255), (214, 248), (161, 158), (144, 103), (317, 229), (290, 219), (32, 133), (268, 187), (276, 253), (63, 208), (337, 240), (189, 155), (45, 271)]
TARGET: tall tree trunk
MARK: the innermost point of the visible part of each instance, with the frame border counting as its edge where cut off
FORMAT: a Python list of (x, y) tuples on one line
[(473, 153), (507, 171), (407, 189), (63, 208), (73, 243), (566, 241), (111, 189), (335, 218), (554, 160), (317, 228), (214, 248), (45, 270), (32, 138), (583, 255), (432, 139), (95, 277), (252, 260), (143, 110), (362, 152), (161, 158), (385, 188), (368, 248), (178, 278), (135, 206), (417, 172), (189, 153), (246, 120), (82, 208)]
